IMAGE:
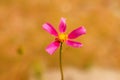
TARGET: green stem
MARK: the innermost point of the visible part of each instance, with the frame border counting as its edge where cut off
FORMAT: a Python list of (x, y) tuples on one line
[(60, 58)]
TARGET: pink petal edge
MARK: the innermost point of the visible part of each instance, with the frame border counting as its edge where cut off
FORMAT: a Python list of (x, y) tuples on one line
[(62, 25), (51, 48), (49, 28), (77, 32), (74, 44)]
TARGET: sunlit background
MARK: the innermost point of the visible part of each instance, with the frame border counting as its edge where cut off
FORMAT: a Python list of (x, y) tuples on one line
[(23, 41)]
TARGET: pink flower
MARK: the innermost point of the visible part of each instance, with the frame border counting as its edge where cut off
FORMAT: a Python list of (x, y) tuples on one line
[(62, 37)]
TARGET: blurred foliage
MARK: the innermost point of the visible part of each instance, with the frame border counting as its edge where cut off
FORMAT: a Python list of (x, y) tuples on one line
[(36, 71), (20, 50)]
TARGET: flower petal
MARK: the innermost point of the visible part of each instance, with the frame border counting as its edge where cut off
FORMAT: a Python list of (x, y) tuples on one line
[(77, 32), (74, 44), (62, 25), (52, 47), (49, 28)]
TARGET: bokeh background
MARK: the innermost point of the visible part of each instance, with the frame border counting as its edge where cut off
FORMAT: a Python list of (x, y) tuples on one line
[(23, 41)]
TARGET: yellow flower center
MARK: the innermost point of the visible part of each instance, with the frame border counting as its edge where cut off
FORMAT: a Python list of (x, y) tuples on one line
[(62, 37)]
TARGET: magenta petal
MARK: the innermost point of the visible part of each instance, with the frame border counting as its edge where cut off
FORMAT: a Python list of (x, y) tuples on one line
[(77, 32), (62, 25), (52, 47), (49, 28), (74, 44)]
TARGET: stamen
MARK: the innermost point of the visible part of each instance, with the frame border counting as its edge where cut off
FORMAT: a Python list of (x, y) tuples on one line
[(62, 37)]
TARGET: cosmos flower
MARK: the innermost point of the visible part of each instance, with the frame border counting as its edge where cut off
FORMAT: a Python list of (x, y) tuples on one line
[(62, 36)]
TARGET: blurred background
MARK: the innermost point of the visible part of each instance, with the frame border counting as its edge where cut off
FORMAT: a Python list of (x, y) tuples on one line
[(23, 41)]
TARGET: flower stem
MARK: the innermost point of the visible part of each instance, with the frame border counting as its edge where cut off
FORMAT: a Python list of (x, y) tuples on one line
[(60, 59)]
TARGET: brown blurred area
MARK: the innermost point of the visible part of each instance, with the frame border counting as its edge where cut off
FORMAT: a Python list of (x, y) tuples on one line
[(23, 41)]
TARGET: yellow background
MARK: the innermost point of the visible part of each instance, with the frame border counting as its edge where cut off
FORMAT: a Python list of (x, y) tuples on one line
[(23, 41)]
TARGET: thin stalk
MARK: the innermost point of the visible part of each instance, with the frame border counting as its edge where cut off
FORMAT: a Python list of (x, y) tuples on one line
[(60, 59)]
